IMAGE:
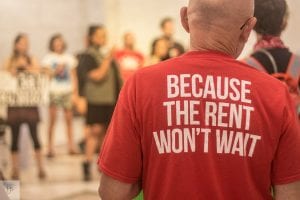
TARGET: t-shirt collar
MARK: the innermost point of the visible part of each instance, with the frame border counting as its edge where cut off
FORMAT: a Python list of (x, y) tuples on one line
[(208, 53)]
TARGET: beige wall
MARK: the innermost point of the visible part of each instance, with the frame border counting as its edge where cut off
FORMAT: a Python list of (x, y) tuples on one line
[(41, 18), (143, 17)]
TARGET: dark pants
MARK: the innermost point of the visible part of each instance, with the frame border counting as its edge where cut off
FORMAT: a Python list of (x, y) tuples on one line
[(15, 132)]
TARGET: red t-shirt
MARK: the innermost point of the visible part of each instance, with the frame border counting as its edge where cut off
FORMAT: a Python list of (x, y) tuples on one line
[(129, 62), (203, 126)]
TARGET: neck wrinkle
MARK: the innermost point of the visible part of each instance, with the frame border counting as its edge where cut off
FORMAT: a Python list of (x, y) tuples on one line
[(214, 39), (214, 46)]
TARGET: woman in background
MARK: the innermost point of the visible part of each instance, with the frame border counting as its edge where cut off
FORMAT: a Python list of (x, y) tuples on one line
[(99, 82), (271, 55), (159, 51), (61, 67), (21, 62)]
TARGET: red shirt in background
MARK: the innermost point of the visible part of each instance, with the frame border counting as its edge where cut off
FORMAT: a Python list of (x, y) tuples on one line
[(203, 126), (129, 61)]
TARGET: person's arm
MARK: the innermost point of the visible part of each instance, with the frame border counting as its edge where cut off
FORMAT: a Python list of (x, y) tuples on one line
[(285, 175), (9, 67), (34, 67), (112, 189), (74, 80), (288, 191), (1, 176), (100, 72), (120, 159)]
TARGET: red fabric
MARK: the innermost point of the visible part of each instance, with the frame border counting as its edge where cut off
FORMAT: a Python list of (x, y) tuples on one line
[(194, 165), (269, 42), (129, 61)]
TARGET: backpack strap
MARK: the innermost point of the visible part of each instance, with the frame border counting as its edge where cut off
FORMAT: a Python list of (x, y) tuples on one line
[(271, 58), (254, 63), (294, 67)]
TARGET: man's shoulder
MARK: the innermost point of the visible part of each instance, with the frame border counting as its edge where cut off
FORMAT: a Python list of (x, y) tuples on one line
[(219, 62), (158, 67)]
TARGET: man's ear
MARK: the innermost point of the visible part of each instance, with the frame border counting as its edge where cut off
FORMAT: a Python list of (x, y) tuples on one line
[(248, 28), (184, 19)]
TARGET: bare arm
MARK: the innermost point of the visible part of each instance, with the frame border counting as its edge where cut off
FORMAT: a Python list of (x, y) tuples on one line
[(100, 72), (74, 81), (287, 192), (112, 189), (8, 67), (34, 67), (75, 93)]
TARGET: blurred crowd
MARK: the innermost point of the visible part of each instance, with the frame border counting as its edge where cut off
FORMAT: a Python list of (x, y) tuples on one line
[(86, 84)]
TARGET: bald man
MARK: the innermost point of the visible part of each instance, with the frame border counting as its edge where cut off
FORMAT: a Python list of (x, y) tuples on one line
[(204, 126)]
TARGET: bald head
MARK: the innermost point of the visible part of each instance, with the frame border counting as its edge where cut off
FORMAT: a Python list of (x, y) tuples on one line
[(218, 21), (220, 13)]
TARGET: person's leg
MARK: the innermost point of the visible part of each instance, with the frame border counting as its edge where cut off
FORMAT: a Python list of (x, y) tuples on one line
[(15, 132), (69, 125), (37, 149), (90, 144), (52, 121), (93, 138), (101, 130)]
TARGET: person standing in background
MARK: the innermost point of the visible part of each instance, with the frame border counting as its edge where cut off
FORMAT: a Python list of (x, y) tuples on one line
[(63, 88), (159, 51), (167, 28), (270, 54), (20, 62), (99, 82), (129, 59)]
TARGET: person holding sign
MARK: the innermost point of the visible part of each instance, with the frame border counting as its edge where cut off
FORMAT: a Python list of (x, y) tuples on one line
[(204, 125), (25, 68)]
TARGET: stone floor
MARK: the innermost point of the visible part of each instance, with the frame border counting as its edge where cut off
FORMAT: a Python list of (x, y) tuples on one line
[(64, 181), (64, 174)]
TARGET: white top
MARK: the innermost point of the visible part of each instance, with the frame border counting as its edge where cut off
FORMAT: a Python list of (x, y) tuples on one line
[(62, 65)]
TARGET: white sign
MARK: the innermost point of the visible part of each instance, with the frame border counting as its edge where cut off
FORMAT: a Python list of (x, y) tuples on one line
[(25, 89)]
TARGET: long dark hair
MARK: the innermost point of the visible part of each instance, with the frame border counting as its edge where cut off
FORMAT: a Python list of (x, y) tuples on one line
[(16, 53), (153, 47)]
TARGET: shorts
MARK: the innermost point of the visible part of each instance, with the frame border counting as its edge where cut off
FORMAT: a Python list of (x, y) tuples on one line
[(61, 100), (99, 114)]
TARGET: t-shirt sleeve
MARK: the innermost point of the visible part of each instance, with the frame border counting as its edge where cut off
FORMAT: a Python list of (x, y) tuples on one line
[(121, 154), (73, 62), (286, 165), (47, 61)]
